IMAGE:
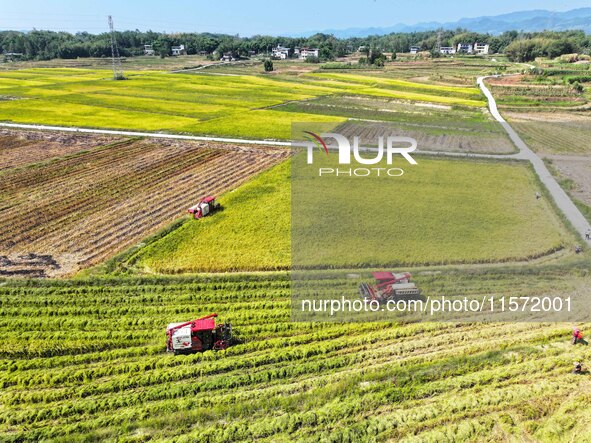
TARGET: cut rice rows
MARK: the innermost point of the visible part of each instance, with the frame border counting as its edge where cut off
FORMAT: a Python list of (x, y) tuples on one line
[(83, 208), (283, 381)]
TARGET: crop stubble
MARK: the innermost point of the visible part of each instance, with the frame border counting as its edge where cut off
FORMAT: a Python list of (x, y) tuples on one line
[(81, 209)]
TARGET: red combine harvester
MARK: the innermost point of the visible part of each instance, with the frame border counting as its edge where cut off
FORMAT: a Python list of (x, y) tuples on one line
[(198, 335), (206, 206), (390, 286)]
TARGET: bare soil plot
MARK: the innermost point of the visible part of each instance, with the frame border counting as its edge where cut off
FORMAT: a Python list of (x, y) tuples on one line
[(506, 80), (577, 171), (82, 209), (19, 148), (554, 133)]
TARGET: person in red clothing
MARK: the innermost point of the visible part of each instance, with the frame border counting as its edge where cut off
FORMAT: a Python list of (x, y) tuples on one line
[(578, 337)]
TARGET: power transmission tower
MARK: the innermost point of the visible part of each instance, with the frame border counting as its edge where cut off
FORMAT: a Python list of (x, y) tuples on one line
[(117, 70)]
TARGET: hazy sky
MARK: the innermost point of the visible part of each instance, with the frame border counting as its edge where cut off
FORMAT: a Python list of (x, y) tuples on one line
[(249, 17)]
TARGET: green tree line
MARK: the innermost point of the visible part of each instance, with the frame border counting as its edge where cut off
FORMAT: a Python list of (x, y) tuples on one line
[(44, 45)]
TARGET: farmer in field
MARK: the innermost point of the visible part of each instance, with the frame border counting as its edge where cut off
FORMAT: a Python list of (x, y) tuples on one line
[(578, 337), (578, 249), (578, 368), (538, 195), (588, 234)]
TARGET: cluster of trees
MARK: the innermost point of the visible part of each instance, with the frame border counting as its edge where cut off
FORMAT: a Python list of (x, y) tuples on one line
[(374, 56), (527, 49), (43, 45)]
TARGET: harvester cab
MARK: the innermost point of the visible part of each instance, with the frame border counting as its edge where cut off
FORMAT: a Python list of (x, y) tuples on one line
[(206, 206), (390, 286), (198, 335)]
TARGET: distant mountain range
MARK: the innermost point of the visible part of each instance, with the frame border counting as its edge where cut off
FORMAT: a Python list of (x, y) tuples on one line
[(529, 21)]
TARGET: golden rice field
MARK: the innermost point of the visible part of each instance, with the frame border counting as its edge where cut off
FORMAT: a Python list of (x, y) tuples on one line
[(241, 106), (434, 214)]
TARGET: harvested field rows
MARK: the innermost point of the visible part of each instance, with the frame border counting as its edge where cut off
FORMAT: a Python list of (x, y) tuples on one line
[(434, 126), (69, 377), (430, 139), (524, 96), (27, 147), (86, 207), (554, 133)]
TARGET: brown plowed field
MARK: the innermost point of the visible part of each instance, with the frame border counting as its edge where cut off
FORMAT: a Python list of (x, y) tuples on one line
[(81, 209)]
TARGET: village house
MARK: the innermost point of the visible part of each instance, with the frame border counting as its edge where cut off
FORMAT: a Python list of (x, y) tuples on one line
[(473, 48), (281, 52), (481, 48), (465, 48), (149, 50), (304, 53), (227, 57), (12, 56), (447, 50), (414, 49), (178, 50)]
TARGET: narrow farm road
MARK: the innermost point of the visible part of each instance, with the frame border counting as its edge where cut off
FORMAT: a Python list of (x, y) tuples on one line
[(218, 139), (563, 201)]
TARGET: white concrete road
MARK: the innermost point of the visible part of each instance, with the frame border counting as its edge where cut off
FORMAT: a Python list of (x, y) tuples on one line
[(144, 134), (563, 201), (214, 139)]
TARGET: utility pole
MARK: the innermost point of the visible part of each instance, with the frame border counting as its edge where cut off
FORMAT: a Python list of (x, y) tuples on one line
[(117, 70), (439, 41)]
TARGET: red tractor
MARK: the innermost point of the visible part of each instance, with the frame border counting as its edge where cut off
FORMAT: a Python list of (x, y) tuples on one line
[(198, 335), (206, 206), (390, 286)]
